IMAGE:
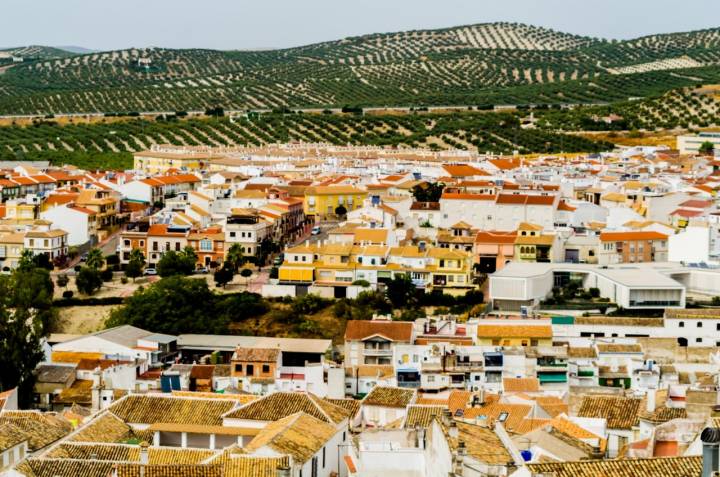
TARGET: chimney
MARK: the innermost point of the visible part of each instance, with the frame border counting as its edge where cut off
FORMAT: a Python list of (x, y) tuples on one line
[(95, 391), (283, 471), (650, 400), (453, 430), (446, 417), (420, 433), (144, 453), (459, 459), (710, 438)]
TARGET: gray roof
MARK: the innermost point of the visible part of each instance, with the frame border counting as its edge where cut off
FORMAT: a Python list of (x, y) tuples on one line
[(160, 338), (54, 373), (124, 335), (230, 342)]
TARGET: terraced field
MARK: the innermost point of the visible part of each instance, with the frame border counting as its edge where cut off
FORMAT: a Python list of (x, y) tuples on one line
[(499, 63), (494, 133)]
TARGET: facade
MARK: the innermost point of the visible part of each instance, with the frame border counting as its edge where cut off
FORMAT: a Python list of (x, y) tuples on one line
[(321, 201)]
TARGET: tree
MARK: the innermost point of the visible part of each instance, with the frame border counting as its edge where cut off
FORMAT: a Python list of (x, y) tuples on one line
[(174, 263), (401, 292), (223, 275), (95, 259), (25, 313), (62, 280), (428, 192), (173, 305), (189, 256), (340, 210), (88, 280), (234, 257), (707, 148), (246, 273), (136, 262)]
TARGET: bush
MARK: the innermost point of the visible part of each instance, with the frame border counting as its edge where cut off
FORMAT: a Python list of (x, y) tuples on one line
[(88, 280), (123, 280), (361, 283), (67, 294), (594, 292), (113, 259), (106, 275)]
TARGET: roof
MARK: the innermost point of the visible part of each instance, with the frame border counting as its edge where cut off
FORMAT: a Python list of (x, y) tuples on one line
[(494, 237), (654, 467), (619, 348), (279, 405), (422, 415), (482, 443), (511, 385), (350, 405), (392, 330), (54, 373), (620, 412), (333, 190), (633, 235), (299, 435), (387, 396), (42, 429), (520, 330), (463, 170), (371, 235), (231, 342), (10, 436), (124, 335), (149, 409), (264, 355)]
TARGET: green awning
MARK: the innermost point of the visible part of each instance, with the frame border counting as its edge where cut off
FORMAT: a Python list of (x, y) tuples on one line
[(563, 320), (552, 377)]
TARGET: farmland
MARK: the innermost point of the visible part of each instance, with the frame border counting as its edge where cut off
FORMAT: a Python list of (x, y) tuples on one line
[(474, 65)]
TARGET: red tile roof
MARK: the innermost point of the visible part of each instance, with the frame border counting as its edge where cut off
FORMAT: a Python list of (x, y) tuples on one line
[(625, 236)]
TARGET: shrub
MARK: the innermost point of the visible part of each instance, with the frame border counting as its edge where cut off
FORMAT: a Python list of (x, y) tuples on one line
[(67, 294), (106, 275)]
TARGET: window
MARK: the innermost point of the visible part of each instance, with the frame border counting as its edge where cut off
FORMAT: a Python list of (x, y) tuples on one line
[(503, 416), (681, 324), (250, 370), (431, 379), (206, 245), (698, 340), (177, 246), (323, 457), (142, 243), (699, 324), (238, 368), (232, 234), (126, 242), (155, 246), (265, 368), (717, 326)]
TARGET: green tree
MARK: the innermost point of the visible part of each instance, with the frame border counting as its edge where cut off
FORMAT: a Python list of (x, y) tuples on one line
[(223, 275), (402, 292), (246, 273), (88, 280), (136, 262), (95, 259), (174, 263), (234, 257), (189, 256), (428, 192), (340, 210), (25, 314), (173, 305), (707, 148)]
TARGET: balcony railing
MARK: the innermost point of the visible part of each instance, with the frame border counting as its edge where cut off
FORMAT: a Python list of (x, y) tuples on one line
[(377, 352)]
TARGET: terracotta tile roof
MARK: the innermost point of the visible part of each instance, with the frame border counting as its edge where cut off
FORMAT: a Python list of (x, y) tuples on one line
[(238, 465), (514, 331), (620, 412), (299, 435), (263, 355), (10, 436), (374, 236), (147, 409), (463, 196), (387, 396), (463, 170), (494, 237), (422, 416), (619, 348), (529, 425), (105, 428), (279, 405), (393, 330), (506, 164), (664, 414), (169, 470), (581, 353), (482, 443), (511, 415), (632, 235), (519, 385), (654, 467), (458, 400), (350, 405), (42, 429), (34, 467)]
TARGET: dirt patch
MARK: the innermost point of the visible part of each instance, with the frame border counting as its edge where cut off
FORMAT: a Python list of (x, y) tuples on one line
[(82, 319)]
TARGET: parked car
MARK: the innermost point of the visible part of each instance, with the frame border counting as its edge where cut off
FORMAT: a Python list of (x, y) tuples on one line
[(83, 257), (150, 272), (315, 230), (201, 270), (279, 260)]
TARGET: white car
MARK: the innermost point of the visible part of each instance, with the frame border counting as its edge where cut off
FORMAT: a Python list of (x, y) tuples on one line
[(150, 272), (315, 230)]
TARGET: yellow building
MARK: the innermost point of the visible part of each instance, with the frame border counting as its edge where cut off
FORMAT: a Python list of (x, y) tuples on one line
[(450, 270), (321, 201), (516, 333), (299, 265), (20, 212), (531, 245), (11, 247), (158, 162)]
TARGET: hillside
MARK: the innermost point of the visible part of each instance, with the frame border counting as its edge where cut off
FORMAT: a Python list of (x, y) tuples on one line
[(497, 63)]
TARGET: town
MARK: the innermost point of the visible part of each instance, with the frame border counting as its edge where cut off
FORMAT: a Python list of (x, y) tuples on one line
[(548, 315), (359, 239)]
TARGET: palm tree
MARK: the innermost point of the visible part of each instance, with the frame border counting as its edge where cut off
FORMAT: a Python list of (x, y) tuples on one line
[(234, 256), (95, 259)]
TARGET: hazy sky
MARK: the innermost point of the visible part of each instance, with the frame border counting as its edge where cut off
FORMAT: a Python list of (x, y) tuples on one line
[(239, 24)]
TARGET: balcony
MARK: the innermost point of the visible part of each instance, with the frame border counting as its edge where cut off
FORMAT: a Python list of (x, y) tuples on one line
[(378, 352)]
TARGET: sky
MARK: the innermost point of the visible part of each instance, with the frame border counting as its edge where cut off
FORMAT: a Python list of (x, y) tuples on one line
[(244, 24)]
